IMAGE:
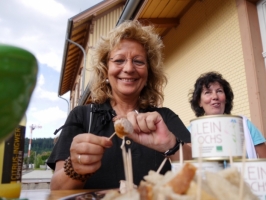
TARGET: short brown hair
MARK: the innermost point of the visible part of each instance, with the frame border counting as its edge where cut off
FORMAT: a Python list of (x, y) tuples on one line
[(204, 81)]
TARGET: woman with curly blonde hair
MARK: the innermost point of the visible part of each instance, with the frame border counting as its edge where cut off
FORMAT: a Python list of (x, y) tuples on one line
[(128, 81), (152, 93)]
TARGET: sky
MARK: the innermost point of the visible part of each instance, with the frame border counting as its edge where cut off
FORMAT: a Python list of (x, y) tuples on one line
[(39, 26)]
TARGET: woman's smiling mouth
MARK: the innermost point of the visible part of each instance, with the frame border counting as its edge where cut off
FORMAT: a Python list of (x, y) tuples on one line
[(127, 79)]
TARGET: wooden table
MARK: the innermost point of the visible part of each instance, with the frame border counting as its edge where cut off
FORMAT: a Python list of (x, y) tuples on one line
[(47, 194)]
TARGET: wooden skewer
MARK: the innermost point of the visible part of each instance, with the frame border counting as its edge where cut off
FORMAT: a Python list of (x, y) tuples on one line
[(123, 143), (130, 171), (124, 154), (181, 159), (242, 172), (161, 166), (230, 158), (199, 173), (112, 136), (166, 158), (127, 161)]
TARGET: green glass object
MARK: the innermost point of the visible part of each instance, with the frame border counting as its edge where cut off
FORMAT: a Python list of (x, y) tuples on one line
[(18, 75)]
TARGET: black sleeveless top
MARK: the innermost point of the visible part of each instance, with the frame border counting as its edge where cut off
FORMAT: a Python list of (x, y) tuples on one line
[(112, 170)]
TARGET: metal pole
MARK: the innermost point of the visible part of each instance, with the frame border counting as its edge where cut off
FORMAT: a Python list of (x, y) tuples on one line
[(68, 106), (31, 129), (35, 161), (84, 62)]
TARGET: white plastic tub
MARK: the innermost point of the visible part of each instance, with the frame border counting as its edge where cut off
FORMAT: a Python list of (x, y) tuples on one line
[(217, 137)]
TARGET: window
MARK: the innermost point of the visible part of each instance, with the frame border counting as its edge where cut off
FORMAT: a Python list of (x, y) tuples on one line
[(261, 6)]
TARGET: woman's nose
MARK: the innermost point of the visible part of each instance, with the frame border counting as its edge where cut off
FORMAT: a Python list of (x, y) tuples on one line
[(214, 95), (129, 66)]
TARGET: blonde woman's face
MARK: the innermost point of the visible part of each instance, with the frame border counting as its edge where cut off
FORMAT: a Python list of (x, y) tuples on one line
[(127, 69)]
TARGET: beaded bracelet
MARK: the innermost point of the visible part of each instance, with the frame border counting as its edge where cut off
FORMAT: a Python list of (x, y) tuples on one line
[(74, 175)]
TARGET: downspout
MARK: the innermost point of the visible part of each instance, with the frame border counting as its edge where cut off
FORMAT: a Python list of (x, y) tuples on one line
[(68, 107), (84, 62), (128, 11), (61, 74)]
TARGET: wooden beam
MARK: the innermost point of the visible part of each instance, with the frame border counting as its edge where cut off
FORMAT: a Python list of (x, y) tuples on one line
[(253, 62), (160, 22), (253, 1)]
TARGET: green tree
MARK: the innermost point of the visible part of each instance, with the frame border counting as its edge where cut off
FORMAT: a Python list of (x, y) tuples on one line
[(40, 150), (45, 155), (39, 161), (39, 144)]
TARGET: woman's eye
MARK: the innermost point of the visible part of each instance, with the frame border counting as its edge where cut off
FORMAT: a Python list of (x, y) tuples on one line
[(139, 62), (119, 61)]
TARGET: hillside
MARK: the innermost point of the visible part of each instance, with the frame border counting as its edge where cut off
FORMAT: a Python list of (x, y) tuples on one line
[(39, 145)]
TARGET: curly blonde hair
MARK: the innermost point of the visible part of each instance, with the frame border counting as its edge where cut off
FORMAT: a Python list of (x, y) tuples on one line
[(152, 93)]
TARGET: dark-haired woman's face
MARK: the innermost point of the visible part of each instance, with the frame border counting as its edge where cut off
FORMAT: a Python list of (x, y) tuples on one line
[(213, 99)]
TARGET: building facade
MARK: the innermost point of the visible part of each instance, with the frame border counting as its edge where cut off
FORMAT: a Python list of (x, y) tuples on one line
[(199, 36)]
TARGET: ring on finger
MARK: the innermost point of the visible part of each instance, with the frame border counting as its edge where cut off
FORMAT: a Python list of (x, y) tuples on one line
[(79, 159)]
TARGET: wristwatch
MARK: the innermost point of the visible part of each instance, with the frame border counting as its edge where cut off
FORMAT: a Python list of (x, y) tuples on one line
[(172, 151)]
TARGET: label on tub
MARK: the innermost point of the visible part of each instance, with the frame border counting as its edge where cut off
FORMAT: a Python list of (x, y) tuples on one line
[(254, 175), (217, 136)]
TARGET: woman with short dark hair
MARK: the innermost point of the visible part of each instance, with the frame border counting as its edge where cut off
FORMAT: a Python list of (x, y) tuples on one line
[(213, 95)]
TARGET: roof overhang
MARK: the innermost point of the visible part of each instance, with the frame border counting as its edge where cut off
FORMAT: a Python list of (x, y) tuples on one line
[(164, 15), (78, 29)]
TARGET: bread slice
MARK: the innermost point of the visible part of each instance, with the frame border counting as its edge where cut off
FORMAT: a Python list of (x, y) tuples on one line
[(234, 177), (181, 182), (145, 190), (192, 191), (221, 188)]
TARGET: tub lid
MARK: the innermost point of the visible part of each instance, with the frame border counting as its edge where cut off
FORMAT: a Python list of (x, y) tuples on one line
[(215, 116), (250, 160)]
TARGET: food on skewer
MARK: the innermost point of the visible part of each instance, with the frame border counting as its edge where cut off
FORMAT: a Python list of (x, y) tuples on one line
[(181, 186), (216, 186), (168, 186), (123, 187), (123, 127), (114, 194)]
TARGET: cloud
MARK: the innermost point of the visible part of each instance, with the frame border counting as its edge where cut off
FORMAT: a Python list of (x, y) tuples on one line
[(53, 57), (41, 93), (36, 26), (44, 94), (40, 27), (46, 121), (49, 115), (55, 9), (32, 109), (41, 80)]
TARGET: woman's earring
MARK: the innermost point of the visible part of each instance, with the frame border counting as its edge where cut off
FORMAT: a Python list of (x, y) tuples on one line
[(107, 81)]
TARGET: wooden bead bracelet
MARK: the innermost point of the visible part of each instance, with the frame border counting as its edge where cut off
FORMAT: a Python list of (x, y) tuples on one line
[(68, 168)]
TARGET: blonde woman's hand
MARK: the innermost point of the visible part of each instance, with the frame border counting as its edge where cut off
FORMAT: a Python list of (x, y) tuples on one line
[(151, 131), (86, 152)]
